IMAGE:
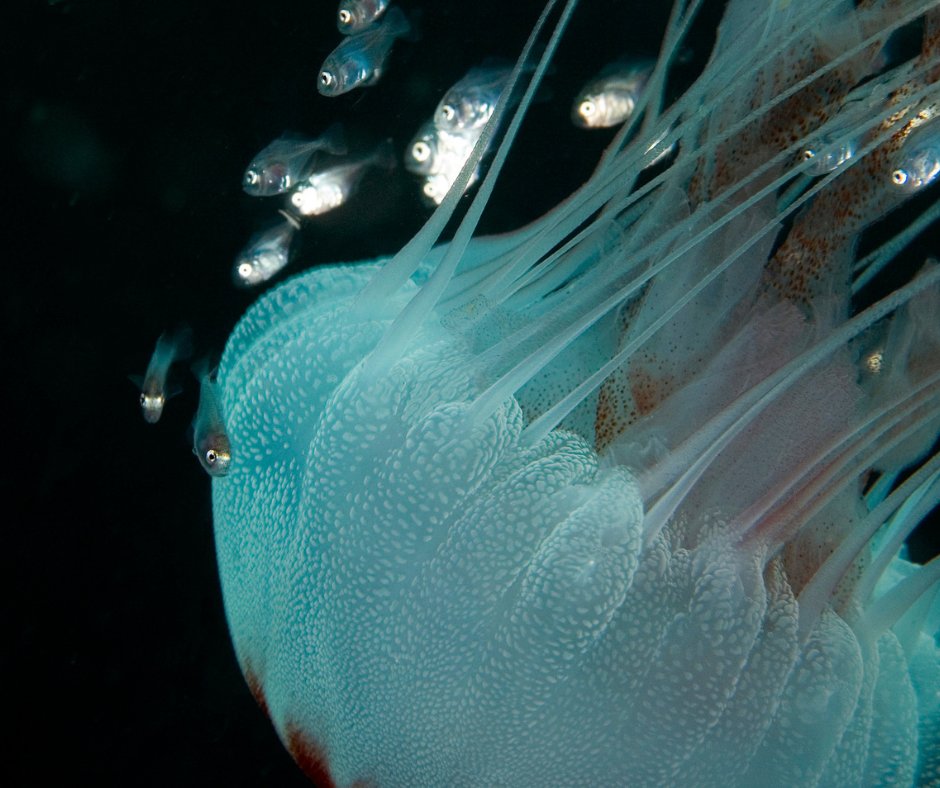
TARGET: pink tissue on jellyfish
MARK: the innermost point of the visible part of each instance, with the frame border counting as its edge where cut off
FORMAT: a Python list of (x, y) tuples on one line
[(620, 497)]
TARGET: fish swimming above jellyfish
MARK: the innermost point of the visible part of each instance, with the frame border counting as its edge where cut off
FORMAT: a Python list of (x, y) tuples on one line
[(619, 497), (328, 189), (443, 144), (280, 165), (154, 387), (266, 254), (359, 60), (354, 16), (468, 104), (438, 156)]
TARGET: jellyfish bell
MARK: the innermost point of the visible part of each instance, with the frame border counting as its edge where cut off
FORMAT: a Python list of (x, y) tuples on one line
[(590, 502)]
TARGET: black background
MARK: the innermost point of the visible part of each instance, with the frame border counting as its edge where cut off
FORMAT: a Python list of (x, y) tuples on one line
[(130, 124)]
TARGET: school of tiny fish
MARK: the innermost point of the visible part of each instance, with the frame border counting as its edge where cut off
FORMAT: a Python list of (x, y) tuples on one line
[(444, 143), (315, 175)]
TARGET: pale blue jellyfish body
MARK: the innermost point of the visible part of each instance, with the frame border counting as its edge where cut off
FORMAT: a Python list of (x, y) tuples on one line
[(590, 503)]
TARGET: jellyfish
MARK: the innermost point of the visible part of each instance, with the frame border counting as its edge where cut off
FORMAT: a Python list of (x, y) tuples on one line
[(621, 496)]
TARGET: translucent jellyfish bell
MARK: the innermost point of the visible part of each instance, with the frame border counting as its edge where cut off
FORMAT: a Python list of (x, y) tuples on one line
[(618, 497)]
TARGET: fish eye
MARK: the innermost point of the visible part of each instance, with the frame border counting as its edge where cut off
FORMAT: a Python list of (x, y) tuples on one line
[(587, 108), (211, 456), (345, 17), (251, 177), (143, 398), (421, 151), (326, 78), (448, 112), (899, 177), (808, 154), (244, 270)]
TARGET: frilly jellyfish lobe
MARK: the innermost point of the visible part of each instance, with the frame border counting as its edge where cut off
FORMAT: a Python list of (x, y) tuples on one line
[(680, 579), (389, 565), (419, 599)]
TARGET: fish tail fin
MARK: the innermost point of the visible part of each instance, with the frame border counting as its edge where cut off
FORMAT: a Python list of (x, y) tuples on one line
[(183, 342), (384, 157), (406, 27), (333, 140)]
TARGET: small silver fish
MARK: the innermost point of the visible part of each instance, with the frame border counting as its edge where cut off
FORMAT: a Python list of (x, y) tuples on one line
[(354, 16), (439, 156), (835, 146), (210, 440), (153, 386), (421, 154), (920, 166), (610, 98), (469, 104), (279, 167), (827, 156), (324, 191), (360, 59), (266, 253)]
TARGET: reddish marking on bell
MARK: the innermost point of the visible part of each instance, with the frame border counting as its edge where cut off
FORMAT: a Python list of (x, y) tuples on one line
[(648, 391), (309, 755), (257, 691)]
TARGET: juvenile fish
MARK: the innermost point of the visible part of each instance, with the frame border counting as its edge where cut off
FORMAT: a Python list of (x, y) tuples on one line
[(469, 104), (279, 167), (325, 191), (439, 156), (354, 16), (610, 98), (266, 254), (210, 440), (421, 156), (828, 156), (153, 386), (919, 166), (360, 59)]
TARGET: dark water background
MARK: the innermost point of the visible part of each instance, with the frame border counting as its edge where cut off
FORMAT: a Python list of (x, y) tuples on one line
[(130, 124)]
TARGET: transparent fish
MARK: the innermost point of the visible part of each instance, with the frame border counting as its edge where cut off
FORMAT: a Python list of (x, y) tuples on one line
[(325, 191), (210, 440), (283, 163), (359, 60), (838, 141), (469, 104), (920, 165), (266, 254), (610, 98), (827, 157), (354, 16), (154, 391), (439, 156), (422, 153)]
